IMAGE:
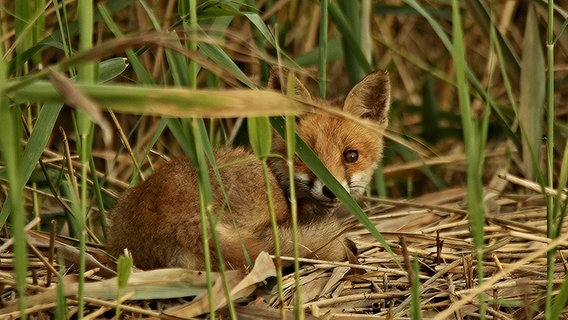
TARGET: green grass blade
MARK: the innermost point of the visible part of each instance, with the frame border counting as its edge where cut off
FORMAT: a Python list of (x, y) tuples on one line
[(551, 204), (38, 28), (192, 29), (350, 37), (322, 57), (532, 90), (205, 201), (86, 73), (259, 37), (415, 290), (260, 136), (61, 302), (221, 58), (111, 68), (559, 213), (476, 213), (182, 137), (123, 270), (261, 27), (352, 55), (559, 304), (559, 207), (10, 137), (23, 11), (291, 143)]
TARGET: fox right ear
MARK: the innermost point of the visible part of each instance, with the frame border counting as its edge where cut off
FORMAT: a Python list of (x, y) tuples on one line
[(370, 98), (278, 81)]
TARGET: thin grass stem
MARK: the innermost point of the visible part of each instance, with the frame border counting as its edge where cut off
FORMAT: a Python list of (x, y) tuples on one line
[(550, 205), (290, 154), (204, 206), (202, 147), (472, 145), (322, 60), (415, 290), (193, 27), (86, 74), (276, 236), (260, 137)]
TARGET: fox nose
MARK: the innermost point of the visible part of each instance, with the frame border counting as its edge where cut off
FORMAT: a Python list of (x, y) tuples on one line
[(326, 192)]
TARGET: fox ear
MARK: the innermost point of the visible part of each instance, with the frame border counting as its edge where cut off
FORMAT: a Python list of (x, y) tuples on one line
[(370, 98), (278, 81)]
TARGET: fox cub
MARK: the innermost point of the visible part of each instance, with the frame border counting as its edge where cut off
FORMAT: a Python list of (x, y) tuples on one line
[(158, 220)]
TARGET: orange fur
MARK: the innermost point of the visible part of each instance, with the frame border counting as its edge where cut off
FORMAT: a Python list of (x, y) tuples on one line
[(158, 220)]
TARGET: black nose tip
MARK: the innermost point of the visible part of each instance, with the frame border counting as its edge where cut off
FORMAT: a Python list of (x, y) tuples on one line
[(326, 192)]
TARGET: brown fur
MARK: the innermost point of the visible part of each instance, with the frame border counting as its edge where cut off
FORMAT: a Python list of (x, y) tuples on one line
[(158, 220)]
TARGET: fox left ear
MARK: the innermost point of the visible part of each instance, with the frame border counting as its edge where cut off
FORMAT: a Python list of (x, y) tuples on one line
[(278, 81), (370, 98)]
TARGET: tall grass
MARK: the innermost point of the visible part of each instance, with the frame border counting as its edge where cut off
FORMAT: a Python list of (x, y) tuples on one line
[(86, 73), (474, 133), (219, 44), (10, 143), (556, 208)]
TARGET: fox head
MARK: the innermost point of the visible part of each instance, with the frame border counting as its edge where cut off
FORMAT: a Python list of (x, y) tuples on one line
[(349, 149)]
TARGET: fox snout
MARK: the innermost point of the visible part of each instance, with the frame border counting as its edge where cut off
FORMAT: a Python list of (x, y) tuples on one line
[(328, 193), (323, 194)]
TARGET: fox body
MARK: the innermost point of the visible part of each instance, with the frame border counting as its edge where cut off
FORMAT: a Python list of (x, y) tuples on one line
[(158, 220)]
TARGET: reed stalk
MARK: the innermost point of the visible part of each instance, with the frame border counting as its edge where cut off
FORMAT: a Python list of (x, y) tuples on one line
[(86, 74), (551, 213)]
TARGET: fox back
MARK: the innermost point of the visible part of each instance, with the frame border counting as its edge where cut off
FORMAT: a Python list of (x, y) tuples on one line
[(159, 219)]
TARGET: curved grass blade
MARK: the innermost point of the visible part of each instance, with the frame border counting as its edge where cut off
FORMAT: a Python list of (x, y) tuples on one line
[(174, 102), (532, 91)]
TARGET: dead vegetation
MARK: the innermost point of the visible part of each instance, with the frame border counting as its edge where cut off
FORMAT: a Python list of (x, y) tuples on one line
[(431, 229)]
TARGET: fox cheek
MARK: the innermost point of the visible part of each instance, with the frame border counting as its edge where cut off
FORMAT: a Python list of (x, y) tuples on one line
[(300, 168)]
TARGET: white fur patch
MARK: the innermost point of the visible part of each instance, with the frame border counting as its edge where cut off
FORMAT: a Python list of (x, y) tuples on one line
[(359, 182), (301, 177)]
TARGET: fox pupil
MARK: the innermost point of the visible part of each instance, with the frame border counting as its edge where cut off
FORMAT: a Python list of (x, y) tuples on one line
[(351, 156)]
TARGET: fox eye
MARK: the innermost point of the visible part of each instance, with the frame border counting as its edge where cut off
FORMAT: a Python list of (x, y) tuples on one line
[(351, 156)]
